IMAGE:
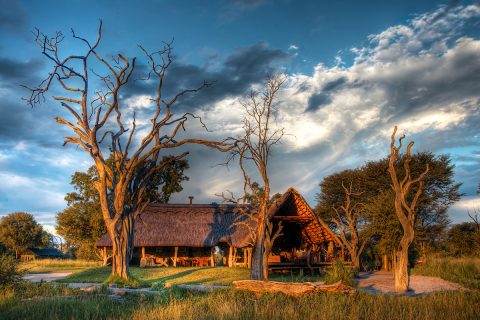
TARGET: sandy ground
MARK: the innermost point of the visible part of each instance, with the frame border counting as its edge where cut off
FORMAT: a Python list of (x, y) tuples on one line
[(46, 277), (375, 283), (382, 282)]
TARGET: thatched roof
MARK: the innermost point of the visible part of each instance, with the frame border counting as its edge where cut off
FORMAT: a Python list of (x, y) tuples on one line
[(207, 225)]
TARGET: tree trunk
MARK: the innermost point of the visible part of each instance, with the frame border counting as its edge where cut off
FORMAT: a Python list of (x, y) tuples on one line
[(257, 272), (266, 254), (356, 262), (385, 263), (401, 261), (401, 270), (122, 247)]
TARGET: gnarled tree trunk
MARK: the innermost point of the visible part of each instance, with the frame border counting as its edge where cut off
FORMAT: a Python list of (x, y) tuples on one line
[(405, 211), (122, 245), (258, 257)]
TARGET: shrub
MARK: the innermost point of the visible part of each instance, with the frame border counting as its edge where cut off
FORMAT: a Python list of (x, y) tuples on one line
[(86, 251), (9, 272), (339, 272)]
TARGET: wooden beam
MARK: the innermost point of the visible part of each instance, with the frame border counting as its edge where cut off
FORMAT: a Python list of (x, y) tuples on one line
[(212, 260), (143, 252), (230, 256), (175, 257)]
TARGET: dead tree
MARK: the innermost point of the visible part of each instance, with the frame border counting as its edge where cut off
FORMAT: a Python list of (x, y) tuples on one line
[(476, 221), (99, 114), (346, 221), (404, 209), (247, 217), (254, 148)]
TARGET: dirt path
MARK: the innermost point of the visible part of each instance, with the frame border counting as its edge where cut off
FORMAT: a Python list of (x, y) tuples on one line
[(46, 277), (382, 282)]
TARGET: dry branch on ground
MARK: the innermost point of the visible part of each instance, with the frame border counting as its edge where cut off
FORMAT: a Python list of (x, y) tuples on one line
[(293, 289)]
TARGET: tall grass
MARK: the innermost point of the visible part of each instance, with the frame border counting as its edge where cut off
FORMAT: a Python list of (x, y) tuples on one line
[(340, 272), (465, 271), (174, 303)]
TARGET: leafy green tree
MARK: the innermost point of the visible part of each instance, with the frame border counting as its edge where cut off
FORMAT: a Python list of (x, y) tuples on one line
[(19, 230), (376, 212), (462, 239)]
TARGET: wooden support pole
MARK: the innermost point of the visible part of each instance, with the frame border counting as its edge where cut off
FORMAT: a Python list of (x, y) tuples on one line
[(212, 260), (230, 256), (250, 250), (234, 262), (175, 257), (143, 252), (245, 257)]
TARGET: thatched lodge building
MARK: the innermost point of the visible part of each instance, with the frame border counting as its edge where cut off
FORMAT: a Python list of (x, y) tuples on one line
[(216, 234)]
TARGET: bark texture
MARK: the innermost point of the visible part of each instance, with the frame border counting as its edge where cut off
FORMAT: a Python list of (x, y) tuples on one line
[(404, 208)]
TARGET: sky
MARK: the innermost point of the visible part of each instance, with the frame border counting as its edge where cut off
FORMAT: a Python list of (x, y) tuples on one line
[(354, 69)]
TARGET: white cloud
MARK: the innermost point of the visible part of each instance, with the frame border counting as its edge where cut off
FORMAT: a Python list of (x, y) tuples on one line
[(139, 101), (421, 76)]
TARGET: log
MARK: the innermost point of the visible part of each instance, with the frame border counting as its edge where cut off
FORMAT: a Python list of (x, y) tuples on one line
[(293, 289)]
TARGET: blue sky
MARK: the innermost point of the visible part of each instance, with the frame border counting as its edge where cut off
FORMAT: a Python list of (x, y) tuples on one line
[(355, 69)]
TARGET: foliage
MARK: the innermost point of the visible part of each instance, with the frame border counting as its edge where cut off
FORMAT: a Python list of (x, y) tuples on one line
[(465, 271), (377, 200), (167, 181), (340, 272), (462, 239), (19, 230), (10, 274)]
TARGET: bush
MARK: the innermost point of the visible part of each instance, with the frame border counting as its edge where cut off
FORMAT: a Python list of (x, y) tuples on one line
[(339, 272), (86, 251), (9, 272)]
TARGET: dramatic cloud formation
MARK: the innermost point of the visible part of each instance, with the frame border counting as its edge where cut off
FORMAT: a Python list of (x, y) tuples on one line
[(423, 75)]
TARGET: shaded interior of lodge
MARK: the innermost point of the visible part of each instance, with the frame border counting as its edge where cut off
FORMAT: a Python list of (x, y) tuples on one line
[(221, 234)]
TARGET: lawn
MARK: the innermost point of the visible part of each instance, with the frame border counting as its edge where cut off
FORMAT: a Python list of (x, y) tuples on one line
[(152, 276)]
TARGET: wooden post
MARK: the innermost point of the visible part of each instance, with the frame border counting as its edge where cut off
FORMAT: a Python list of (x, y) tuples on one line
[(230, 256), (175, 257), (234, 257), (249, 263), (143, 252), (245, 257), (212, 260)]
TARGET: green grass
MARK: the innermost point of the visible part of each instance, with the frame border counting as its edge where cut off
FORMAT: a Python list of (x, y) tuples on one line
[(465, 271), (159, 276), (51, 265), (49, 302)]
